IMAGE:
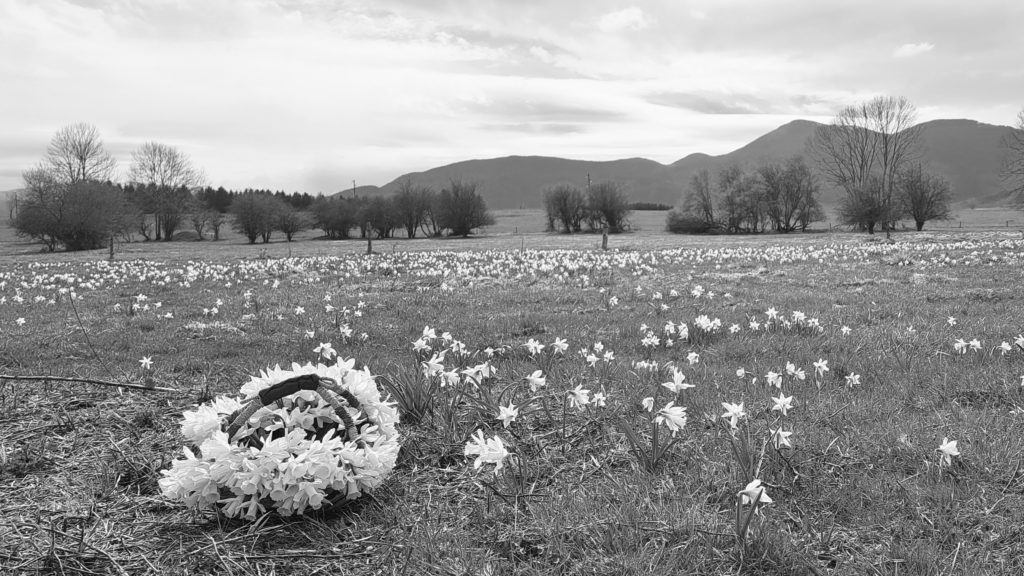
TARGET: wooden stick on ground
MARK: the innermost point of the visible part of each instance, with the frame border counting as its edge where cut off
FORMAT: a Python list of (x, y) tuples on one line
[(6, 377)]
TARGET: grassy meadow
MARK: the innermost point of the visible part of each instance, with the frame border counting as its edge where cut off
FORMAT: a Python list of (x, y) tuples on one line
[(831, 367)]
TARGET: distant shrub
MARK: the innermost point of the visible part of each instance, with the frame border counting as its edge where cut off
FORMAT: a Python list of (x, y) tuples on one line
[(460, 209), (379, 216), (607, 207), (291, 221), (655, 206), (335, 215), (255, 215), (679, 222), (411, 207), (78, 216), (565, 206)]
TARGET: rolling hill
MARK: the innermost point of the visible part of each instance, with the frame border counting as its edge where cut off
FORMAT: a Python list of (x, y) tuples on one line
[(965, 152), (969, 155), (517, 181)]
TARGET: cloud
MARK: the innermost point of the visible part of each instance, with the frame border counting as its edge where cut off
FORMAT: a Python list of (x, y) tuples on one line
[(770, 102), (910, 50), (708, 104), (631, 18), (541, 53), (536, 109), (536, 127)]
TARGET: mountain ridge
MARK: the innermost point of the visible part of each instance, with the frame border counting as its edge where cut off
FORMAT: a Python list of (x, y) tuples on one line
[(965, 152)]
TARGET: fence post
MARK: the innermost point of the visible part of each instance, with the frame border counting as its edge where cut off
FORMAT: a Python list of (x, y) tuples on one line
[(369, 239), (604, 238)]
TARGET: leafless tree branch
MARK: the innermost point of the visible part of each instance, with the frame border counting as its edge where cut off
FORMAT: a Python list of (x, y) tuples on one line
[(865, 148), (76, 154), (1012, 173)]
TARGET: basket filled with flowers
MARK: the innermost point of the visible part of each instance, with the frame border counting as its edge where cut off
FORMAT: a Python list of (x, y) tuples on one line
[(309, 438)]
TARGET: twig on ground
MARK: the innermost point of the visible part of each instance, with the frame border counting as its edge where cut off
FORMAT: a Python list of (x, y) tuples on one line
[(9, 377), (113, 562), (71, 300)]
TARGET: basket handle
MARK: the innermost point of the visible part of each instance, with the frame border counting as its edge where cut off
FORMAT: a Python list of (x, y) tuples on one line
[(339, 399)]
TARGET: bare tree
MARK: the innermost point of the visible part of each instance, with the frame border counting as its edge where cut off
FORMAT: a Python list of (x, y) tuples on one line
[(790, 194), (700, 200), (431, 223), (198, 216), (565, 204), (1013, 163), (76, 154), (732, 189), (460, 209), (925, 196), (172, 174), (215, 220), (335, 215), (255, 215), (291, 221), (164, 166), (411, 206), (866, 205), (865, 148), (608, 207)]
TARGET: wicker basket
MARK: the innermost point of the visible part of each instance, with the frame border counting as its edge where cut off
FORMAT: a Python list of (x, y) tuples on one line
[(254, 463)]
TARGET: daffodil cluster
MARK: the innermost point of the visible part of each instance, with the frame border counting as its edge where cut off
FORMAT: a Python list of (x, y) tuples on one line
[(290, 457)]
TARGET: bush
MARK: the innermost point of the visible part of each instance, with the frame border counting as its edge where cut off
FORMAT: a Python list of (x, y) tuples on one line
[(379, 215), (255, 215), (680, 222), (789, 195), (608, 207), (460, 210), (77, 216), (649, 206), (868, 205), (335, 215), (411, 207), (925, 196), (783, 197), (291, 221), (565, 204)]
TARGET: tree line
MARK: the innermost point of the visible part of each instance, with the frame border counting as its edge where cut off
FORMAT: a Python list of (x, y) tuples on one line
[(70, 201), (455, 210), (783, 197)]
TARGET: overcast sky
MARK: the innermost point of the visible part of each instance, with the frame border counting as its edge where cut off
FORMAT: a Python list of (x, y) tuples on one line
[(310, 95)]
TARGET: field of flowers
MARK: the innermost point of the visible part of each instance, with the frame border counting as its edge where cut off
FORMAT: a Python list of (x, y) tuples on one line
[(829, 405)]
